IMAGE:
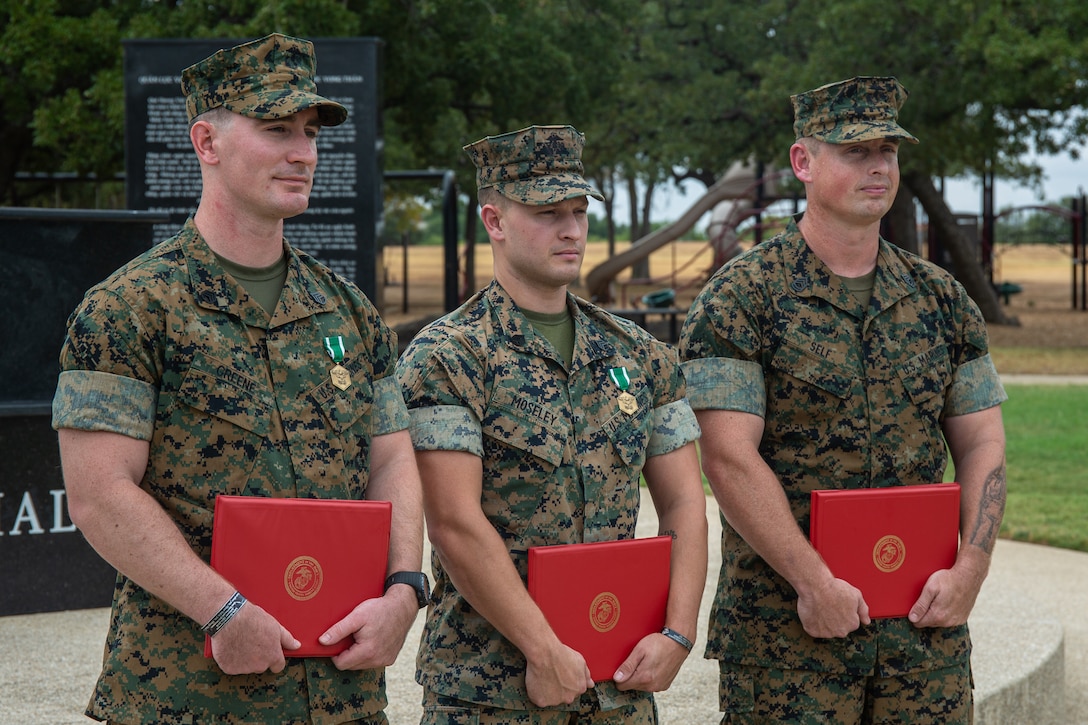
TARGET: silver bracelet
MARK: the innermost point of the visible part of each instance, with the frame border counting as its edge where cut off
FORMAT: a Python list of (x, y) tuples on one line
[(224, 615), (678, 638)]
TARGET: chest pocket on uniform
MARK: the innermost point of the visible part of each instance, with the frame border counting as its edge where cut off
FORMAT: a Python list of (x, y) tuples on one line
[(525, 426), (344, 443), (926, 374), (218, 423), (343, 408), (796, 361), (630, 434), (219, 390)]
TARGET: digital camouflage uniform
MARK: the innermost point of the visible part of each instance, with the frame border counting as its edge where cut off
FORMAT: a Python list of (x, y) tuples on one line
[(561, 462), (172, 351), (852, 397)]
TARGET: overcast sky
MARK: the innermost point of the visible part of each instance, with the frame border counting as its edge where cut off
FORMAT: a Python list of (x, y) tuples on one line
[(1063, 177)]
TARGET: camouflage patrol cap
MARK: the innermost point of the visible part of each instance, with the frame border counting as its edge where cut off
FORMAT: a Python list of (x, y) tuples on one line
[(858, 109), (536, 165), (272, 77)]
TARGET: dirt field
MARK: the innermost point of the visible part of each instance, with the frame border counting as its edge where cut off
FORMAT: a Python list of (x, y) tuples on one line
[(1045, 308), (1052, 337)]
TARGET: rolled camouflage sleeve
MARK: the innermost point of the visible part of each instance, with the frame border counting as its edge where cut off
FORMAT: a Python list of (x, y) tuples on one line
[(721, 383), (446, 428), (674, 427), (392, 414), (440, 416), (94, 401), (975, 386), (674, 424), (107, 380), (719, 345)]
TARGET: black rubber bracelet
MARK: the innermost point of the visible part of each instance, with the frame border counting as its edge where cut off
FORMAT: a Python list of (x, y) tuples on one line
[(224, 615), (678, 638)]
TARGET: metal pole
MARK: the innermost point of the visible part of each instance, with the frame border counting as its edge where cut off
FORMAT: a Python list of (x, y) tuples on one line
[(449, 237), (759, 203), (986, 252), (1084, 253), (449, 227), (1074, 233), (404, 272)]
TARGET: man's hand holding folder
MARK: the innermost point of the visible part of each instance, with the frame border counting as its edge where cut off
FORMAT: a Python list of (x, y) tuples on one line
[(311, 573), (832, 608), (372, 627), (890, 550), (949, 595), (605, 599), (255, 642)]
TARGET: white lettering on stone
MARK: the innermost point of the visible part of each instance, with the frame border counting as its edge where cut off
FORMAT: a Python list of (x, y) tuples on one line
[(26, 515), (59, 509)]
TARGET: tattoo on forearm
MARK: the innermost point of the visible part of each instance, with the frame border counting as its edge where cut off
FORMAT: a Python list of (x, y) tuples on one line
[(991, 509), (668, 532)]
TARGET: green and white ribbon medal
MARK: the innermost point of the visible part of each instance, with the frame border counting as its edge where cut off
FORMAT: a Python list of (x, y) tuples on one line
[(339, 375), (628, 403)]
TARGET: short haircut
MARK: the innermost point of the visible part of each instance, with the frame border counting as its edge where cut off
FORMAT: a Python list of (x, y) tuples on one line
[(218, 116), (490, 195)]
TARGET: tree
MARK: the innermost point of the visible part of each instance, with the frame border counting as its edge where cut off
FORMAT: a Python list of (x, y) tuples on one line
[(988, 79), (45, 87), (680, 106), (61, 80), (664, 88)]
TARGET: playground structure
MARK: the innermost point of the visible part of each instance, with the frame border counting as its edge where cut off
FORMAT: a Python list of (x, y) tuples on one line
[(739, 195), (1077, 216), (657, 296), (742, 194)]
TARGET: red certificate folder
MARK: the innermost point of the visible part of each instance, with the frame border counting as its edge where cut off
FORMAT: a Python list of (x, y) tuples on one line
[(601, 598), (887, 541), (307, 562)]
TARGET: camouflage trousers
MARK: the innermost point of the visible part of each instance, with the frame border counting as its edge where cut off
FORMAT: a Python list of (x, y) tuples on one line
[(441, 710), (758, 696)]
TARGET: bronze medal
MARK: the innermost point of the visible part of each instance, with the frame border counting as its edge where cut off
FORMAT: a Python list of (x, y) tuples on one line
[(628, 403), (339, 375), (341, 378)]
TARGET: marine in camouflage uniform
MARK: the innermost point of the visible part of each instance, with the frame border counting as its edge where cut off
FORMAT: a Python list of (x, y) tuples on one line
[(839, 387), (536, 445), (228, 397)]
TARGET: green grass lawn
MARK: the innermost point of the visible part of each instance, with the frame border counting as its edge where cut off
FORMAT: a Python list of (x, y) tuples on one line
[(1046, 429)]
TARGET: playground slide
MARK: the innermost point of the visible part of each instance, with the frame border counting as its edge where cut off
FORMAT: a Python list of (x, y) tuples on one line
[(738, 184)]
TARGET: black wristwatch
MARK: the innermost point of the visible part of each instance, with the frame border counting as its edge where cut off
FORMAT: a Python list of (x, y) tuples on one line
[(415, 579)]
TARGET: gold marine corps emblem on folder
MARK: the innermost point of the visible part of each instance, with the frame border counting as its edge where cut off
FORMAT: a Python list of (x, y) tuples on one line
[(604, 611), (303, 577), (889, 553)]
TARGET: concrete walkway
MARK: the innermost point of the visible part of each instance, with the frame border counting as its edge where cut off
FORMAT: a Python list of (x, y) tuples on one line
[(1034, 603)]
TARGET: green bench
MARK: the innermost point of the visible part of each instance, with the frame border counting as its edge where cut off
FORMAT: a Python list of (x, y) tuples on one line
[(1007, 289)]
